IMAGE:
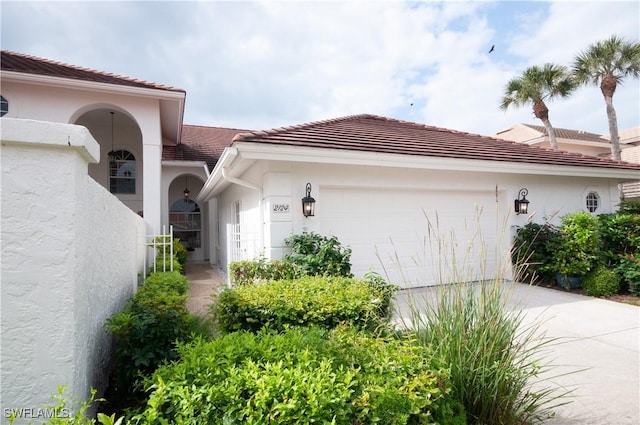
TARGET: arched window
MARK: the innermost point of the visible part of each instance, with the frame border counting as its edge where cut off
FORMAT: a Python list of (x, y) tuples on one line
[(184, 216), (122, 172)]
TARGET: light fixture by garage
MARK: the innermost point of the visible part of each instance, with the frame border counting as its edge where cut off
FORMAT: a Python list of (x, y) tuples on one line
[(308, 203), (521, 204)]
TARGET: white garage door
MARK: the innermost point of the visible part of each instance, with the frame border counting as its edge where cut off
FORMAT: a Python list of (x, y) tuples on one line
[(414, 237)]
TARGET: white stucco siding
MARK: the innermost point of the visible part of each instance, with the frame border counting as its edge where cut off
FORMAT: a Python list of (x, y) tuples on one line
[(71, 253)]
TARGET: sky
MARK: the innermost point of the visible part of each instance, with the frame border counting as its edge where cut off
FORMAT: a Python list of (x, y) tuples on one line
[(268, 64)]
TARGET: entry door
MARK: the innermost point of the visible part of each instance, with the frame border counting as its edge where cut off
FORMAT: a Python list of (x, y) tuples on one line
[(186, 219)]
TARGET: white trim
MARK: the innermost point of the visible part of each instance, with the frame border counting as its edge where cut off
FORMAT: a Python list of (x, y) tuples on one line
[(94, 86)]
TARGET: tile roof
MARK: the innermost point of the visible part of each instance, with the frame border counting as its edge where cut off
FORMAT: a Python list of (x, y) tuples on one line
[(201, 143), (564, 133), (18, 62), (371, 133)]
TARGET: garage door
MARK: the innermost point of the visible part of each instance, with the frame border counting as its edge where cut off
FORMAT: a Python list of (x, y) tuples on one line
[(414, 237)]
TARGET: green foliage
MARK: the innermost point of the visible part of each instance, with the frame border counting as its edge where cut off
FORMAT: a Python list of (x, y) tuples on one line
[(321, 301), (163, 256), (319, 255), (146, 331), (308, 375), (260, 270), (602, 282), (61, 413), (619, 234), (578, 247), (629, 271), (630, 206), (492, 353), (533, 249)]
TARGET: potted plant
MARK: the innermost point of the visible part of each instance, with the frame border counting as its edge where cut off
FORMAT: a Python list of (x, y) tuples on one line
[(576, 251)]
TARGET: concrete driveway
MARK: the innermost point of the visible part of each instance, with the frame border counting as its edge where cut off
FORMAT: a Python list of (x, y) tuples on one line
[(602, 337)]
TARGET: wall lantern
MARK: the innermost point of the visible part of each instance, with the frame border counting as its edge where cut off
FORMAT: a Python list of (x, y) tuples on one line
[(522, 204), (308, 203), (186, 189)]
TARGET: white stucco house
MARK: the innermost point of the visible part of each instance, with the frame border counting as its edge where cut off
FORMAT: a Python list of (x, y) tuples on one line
[(409, 200)]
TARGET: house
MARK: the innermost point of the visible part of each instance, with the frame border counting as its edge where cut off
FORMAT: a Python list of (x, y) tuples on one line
[(583, 142), (402, 195), (93, 164), (370, 176)]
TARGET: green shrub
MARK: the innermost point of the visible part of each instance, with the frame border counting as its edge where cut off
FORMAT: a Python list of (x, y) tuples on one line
[(533, 251), (601, 282), (301, 376), (146, 331), (260, 270), (578, 248), (163, 256), (492, 354), (321, 301), (619, 234), (629, 271), (319, 255), (631, 206)]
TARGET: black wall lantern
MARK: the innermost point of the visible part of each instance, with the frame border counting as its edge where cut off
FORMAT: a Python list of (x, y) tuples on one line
[(186, 189), (521, 203), (112, 153), (308, 203)]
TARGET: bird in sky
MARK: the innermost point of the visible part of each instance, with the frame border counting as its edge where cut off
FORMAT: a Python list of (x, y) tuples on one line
[(492, 48)]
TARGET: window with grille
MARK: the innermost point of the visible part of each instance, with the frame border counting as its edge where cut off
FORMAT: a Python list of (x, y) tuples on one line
[(592, 201), (122, 172)]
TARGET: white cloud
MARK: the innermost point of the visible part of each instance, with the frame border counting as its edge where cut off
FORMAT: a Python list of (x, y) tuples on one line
[(269, 64)]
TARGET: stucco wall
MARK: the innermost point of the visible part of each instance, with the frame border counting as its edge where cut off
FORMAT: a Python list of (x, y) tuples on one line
[(71, 254)]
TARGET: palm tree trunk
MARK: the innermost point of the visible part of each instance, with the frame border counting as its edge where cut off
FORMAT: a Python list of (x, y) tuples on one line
[(552, 134), (613, 128)]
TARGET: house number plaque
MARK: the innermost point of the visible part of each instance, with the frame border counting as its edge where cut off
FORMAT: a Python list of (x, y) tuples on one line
[(280, 208)]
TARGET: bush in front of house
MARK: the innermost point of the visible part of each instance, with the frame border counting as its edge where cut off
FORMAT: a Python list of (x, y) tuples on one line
[(319, 255), (312, 300), (533, 251), (303, 375), (628, 270), (260, 270), (601, 282), (167, 257), (146, 331)]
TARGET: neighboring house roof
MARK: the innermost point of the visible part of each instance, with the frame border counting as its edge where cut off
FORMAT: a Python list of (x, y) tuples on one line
[(371, 133), (26, 64), (201, 143), (564, 133)]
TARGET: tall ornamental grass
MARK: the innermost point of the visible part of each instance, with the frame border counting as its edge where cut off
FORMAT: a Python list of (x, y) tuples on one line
[(496, 357)]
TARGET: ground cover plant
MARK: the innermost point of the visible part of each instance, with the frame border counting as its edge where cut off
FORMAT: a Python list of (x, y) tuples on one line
[(319, 255), (309, 301), (303, 375)]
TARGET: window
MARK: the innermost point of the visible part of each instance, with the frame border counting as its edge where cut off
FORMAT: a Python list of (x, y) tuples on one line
[(4, 106), (184, 216), (592, 201), (122, 172)]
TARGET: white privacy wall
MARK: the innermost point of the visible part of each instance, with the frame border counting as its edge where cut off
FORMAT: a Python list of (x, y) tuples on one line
[(71, 254)]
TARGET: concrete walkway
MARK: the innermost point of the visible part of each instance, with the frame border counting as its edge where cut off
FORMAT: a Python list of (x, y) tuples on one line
[(602, 337), (205, 282)]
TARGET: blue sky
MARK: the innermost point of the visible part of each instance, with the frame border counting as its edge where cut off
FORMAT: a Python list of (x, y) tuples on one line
[(259, 65)]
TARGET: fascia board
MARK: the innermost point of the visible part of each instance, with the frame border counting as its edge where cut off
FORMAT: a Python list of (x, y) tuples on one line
[(92, 85), (171, 163), (257, 151), (215, 181)]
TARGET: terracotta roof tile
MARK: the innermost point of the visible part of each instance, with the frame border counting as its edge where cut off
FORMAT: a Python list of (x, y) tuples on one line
[(18, 62), (201, 143), (371, 133), (565, 133)]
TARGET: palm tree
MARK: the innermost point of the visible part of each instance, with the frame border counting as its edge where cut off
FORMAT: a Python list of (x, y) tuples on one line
[(534, 86), (607, 63)]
